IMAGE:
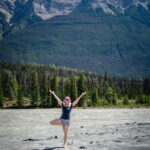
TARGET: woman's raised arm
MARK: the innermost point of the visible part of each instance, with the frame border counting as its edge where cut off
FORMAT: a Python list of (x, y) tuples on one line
[(77, 100), (58, 100)]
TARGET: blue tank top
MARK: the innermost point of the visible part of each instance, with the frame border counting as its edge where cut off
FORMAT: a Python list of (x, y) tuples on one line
[(66, 112)]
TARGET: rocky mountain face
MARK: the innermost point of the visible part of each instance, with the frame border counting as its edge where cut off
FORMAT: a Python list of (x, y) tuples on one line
[(94, 35), (120, 5), (18, 14)]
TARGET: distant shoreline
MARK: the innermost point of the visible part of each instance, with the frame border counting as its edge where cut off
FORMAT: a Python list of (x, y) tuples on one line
[(106, 107)]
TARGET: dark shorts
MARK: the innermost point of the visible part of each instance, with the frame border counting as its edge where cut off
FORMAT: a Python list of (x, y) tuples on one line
[(65, 122)]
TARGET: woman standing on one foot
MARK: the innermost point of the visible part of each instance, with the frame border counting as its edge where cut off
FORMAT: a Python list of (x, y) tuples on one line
[(64, 120)]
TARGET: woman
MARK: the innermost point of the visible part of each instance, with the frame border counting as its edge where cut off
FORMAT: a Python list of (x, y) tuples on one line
[(64, 120)]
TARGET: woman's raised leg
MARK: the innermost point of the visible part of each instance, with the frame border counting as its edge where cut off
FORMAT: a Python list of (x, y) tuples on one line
[(56, 122)]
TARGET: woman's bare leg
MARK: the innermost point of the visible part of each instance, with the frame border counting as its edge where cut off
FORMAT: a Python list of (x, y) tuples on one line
[(56, 122), (65, 134), (65, 128)]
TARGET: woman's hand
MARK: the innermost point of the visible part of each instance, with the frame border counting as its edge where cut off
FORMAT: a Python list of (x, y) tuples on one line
[(52, 92), (83, 93)]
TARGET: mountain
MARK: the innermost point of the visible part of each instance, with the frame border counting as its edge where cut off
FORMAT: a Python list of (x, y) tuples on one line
[(94, 35), (18, 14)]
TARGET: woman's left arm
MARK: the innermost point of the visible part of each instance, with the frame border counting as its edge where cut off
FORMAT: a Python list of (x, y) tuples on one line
[(77, 100)]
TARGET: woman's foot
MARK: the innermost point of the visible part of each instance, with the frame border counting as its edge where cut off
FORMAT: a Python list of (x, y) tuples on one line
[(65, 145)]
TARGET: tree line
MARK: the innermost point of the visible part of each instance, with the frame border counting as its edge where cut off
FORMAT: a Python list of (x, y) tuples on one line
[(28, 85)]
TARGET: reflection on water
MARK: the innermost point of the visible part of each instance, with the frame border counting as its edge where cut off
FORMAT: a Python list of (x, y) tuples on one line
[(93, 129)]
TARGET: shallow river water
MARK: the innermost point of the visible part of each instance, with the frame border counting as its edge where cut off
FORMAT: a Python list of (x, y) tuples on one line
[(92, 129)]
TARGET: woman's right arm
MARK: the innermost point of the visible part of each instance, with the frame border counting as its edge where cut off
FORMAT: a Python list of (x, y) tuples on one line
[(58, 100)]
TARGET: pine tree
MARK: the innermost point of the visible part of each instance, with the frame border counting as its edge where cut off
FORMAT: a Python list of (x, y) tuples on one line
[(114, 100), (14, 85), (147, 86), (95, 98), (20, 96), (34, 89), (109, 95), (11, 93), (101, 89), (5, 82), (10, 86), (118, 92), (1, 93), (73, 88), (148, 100), (44, 93), (25, 84), (48, 101), (126, 88), (63, 88), (54, 87), (81, 88), (67, 88), (106, 81), (125, 100), (1, 97)]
